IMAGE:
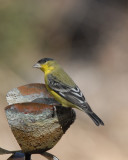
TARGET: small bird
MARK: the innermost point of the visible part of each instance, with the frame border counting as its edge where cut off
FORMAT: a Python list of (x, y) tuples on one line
[(64, 89)]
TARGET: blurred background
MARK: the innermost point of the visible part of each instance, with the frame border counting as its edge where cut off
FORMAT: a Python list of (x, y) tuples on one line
[(89, 38)]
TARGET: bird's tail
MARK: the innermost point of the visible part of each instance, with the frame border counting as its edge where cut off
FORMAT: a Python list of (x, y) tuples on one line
[(86, 108), (95, 118)]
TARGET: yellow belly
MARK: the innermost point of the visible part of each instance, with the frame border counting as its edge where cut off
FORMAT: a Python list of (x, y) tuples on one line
[(60, 99)]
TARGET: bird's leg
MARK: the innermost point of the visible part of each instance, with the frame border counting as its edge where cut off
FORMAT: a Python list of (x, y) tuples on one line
[(27, 156), (54, 112)]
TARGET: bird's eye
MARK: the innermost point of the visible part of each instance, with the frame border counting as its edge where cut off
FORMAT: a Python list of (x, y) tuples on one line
[(42, 61)]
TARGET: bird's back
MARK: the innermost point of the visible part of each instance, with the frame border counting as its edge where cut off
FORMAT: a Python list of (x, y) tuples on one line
[(63, 77)]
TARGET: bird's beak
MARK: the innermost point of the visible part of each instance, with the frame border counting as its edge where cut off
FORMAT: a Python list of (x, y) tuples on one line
[(37, 65)]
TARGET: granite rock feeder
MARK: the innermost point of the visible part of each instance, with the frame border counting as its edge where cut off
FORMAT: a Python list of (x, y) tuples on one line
[(37, 121)]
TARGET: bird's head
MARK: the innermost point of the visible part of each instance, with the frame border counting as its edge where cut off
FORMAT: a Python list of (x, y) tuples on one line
[(45, 64)]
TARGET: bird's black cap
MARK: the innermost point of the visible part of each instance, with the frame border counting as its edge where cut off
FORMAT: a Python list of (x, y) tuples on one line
[(44, 60)]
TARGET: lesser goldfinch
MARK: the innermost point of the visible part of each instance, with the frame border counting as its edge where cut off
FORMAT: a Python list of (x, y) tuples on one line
[(63, 88)]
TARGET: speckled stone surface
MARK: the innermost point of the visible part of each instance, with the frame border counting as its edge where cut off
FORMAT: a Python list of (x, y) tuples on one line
[(35, 92), (36, 119), (38, 126)]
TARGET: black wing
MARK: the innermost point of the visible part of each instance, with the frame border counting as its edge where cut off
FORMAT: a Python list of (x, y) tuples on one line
[(71, 94)]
